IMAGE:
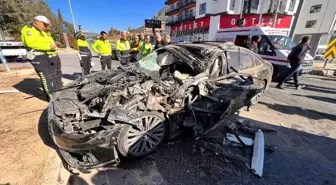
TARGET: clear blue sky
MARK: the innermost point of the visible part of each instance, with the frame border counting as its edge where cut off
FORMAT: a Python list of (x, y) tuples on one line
[(98, 15)]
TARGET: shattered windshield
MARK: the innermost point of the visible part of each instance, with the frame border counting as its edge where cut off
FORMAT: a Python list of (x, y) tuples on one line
[(149, 65), (281, 42)]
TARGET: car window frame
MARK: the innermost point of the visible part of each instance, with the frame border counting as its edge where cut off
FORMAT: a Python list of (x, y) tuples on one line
[(269, 43)]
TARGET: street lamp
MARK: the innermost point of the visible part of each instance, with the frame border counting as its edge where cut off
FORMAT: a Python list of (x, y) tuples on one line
[(73, 19)]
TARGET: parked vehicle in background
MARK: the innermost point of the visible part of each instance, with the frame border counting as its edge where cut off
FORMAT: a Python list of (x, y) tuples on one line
[(11, 49), (275, 45), (319, 57)]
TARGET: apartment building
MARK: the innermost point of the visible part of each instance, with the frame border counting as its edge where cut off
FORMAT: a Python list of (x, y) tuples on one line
[(316, 20), (189, 20)]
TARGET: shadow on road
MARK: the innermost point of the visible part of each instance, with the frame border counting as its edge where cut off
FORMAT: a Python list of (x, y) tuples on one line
[(311, 114), (300, 158), (43, 130), (31, 86), (319, 98), (320, 89), (74, 76)]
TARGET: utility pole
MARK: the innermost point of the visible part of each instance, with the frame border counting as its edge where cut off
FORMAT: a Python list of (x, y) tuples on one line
[(73, 18), (276, 14), (241, 10), (4, 61), (261, 11)]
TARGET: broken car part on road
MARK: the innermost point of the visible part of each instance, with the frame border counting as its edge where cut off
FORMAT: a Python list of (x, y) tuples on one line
[(132, 110), (237, 146)]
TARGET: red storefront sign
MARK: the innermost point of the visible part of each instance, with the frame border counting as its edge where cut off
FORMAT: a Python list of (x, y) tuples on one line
[(202, 23), (230, 21), (187, 26), (176, 28)]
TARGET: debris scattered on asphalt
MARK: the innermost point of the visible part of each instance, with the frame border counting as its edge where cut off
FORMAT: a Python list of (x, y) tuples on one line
[(8, 91), (239, 147)]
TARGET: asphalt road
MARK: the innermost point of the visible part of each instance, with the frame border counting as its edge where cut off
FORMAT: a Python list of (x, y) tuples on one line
[(305, 122)]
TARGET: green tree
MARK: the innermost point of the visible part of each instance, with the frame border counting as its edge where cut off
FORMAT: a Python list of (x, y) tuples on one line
[(14, 14)]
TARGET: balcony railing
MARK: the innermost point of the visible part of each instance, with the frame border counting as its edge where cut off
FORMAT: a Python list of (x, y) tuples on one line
[(172, 9), (172, 21), (187, 3), (168, 2), (187, 16)]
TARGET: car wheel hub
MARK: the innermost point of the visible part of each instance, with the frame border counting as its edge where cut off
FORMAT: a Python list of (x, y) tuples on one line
[(147, 135)]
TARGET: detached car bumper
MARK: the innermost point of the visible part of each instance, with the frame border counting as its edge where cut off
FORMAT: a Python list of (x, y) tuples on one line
[(83, 151)]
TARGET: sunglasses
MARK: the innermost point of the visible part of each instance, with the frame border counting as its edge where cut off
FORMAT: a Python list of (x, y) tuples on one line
[(46, 25)]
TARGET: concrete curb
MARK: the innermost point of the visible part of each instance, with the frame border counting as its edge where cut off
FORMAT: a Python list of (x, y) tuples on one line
[(323, 72)]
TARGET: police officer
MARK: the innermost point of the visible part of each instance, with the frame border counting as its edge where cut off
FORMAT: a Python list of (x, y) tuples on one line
[(84, 52), (43, 54), (54, 62), (103, 48), (123, 49), (142, 38), (146, 47)]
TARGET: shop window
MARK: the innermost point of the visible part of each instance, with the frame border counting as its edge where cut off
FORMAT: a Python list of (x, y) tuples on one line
[(311, 24), (315, 8)]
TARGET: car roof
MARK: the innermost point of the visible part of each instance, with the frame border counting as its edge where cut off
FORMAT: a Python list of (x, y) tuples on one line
[(206, 44)]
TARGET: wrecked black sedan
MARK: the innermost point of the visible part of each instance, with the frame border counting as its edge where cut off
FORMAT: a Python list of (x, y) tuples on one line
[(132, 110)]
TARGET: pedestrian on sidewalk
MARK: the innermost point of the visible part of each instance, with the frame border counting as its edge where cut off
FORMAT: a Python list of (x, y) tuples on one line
[(43, 54), (84, 52), (103, 48), (296, 58), (123, 49)]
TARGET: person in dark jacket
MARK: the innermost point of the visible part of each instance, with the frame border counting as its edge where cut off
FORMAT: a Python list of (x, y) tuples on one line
[(296, 58)]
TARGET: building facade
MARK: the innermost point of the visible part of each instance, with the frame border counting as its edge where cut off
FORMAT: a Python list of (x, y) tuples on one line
[(190, 20), (316, 20)]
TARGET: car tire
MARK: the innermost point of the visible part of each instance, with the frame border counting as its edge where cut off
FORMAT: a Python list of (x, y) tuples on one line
[(139, 142), (255, 99)]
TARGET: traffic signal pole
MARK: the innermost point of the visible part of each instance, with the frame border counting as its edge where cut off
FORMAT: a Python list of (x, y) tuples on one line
[(4, 61)]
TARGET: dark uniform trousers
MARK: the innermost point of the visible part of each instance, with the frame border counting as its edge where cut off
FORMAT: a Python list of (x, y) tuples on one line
[(86, 64), (49, 70), (106, 61), (293, 72)]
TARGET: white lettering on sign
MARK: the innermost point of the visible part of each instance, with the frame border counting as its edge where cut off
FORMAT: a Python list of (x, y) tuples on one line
[(185, 27), (201, 24), (233, 22), (253, 19), (190, 27), (195, 24), (279, 20), (227, 39)]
